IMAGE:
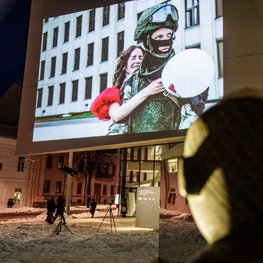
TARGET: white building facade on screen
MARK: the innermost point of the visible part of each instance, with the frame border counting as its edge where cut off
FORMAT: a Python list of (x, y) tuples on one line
[(79, 51)]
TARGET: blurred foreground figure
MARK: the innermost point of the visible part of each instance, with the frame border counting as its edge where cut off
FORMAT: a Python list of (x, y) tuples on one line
[(223, 178)]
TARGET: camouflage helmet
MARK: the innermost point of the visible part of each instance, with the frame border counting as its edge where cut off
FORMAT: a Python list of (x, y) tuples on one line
[(155, 17)]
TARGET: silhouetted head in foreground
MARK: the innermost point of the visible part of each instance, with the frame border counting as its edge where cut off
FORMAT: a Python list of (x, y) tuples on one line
[(223, 178)]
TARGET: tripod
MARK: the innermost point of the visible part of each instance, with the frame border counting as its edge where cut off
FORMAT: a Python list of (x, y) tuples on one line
[(112, 222), (59, 228)]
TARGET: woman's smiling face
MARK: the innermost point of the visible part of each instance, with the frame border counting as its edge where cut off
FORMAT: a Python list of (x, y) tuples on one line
[(134, 60)]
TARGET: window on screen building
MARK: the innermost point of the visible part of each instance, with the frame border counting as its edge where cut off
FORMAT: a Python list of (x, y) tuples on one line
[(90, 54), (88, 88), (106, 15), (103, 81), (74, 95), (42, 70), (105, 47), (121, 10), (55, 37), (62, 89), (91, 20), (78, 26), (39, 97), (53, 67), (191, 13), (76, 58), (44, 44), (120, 40), (64, 63), (66, 31), (50, 95)]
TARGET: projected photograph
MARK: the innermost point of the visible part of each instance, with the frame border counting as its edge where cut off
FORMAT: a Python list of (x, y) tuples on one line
[(134, 67)]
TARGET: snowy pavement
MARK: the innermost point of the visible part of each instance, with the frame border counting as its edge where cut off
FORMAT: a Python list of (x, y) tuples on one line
[(30, 239)]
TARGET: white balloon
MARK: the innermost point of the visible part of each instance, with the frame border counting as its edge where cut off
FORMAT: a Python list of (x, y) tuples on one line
[(190, 72)]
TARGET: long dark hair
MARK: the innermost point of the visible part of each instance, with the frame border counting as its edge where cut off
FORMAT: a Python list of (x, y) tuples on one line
[(120, 71)]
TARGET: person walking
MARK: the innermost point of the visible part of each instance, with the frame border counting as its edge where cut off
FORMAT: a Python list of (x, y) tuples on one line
[(51, 208), (93, 205), (10, 203), (60, 209)]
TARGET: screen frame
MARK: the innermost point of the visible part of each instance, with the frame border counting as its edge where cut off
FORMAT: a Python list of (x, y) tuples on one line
[(40, 10)]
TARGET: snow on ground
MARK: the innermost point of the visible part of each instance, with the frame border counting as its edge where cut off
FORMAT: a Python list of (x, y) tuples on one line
[(31, 239)]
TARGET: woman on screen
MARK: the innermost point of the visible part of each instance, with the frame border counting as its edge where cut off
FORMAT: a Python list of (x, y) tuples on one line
[(139, 104), (115, 102)]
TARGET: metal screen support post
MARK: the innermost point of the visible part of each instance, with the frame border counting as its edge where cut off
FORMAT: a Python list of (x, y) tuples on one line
[(69, 184)]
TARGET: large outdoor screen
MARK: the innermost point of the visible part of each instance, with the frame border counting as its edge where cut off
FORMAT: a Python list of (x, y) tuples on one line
[(116, 74)]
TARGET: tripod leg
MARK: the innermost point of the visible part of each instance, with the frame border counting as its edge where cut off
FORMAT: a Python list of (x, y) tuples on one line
[(67, 228), (113, 221), (103, 220), (57, 230)]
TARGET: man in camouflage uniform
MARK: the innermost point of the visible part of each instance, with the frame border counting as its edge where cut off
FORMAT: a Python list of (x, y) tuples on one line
[(159, 112)]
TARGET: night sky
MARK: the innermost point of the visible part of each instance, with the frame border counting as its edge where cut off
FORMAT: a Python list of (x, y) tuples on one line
[(14, 21)]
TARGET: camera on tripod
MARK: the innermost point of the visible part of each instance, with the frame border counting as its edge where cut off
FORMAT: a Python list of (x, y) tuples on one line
[(111, 201), (68, 170)]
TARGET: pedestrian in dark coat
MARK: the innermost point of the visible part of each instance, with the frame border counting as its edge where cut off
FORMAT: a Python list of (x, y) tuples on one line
[(51, 208), (60, 209), (93, 205), (10, 203)]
